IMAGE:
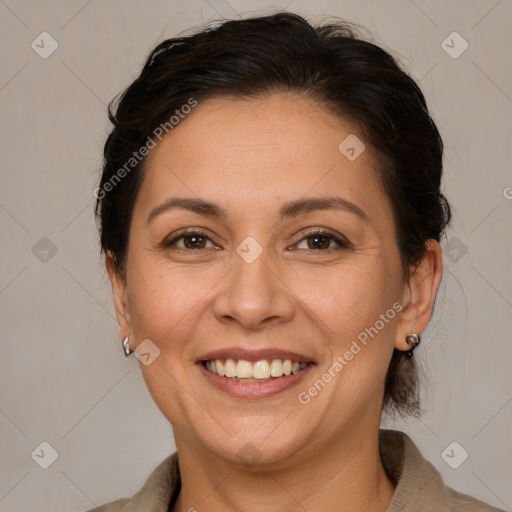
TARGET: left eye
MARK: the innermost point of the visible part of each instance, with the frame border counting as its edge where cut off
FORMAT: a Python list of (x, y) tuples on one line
[(320, 241)]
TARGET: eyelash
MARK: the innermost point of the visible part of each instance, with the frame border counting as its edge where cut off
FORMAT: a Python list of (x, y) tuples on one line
[(342, 243)]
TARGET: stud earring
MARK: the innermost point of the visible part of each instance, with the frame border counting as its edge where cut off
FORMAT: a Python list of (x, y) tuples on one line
[(126, 347), (413, 341)]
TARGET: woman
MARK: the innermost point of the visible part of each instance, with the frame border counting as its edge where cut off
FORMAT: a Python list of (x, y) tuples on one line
[(270, 211)]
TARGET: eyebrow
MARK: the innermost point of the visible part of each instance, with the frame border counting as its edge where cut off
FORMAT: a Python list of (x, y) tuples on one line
[(289, 209)]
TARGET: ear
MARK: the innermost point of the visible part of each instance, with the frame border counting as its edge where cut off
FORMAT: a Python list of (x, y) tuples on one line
[(419, 294), (120, 296)]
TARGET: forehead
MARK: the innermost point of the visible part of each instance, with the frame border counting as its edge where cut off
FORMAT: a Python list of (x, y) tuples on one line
[(256, 151)]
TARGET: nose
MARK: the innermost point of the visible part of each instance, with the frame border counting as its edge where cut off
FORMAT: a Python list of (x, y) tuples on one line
[(254, 295)]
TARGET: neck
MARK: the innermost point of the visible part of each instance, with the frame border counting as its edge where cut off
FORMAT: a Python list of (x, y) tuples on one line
[(346, 475)]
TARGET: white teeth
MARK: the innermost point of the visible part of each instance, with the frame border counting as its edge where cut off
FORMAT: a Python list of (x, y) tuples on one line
[(262, 370), (230, 368), (276, 368), (220, 367), (244, 369)]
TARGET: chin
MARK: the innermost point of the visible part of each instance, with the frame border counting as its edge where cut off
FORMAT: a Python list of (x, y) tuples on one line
[(257, 447)]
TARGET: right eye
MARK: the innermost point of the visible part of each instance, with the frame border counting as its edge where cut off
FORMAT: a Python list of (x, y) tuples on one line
[(192, 240)]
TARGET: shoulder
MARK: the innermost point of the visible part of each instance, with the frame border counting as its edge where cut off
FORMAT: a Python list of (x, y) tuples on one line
[(113, 506), (456, 501), (161, 487), (419, 486)]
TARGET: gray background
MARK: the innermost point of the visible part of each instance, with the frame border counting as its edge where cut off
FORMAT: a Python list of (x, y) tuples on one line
[(64, 377)]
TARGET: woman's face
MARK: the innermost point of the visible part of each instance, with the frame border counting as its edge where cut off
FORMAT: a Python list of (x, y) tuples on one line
[(262, 281)]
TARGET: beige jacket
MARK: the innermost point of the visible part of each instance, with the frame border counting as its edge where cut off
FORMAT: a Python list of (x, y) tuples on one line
[(419, 485)]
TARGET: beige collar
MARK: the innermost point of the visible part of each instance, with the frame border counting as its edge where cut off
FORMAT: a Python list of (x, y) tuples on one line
[(420, 487)]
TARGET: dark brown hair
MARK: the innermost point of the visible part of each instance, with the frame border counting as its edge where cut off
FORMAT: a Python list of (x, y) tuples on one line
[(351, 77)]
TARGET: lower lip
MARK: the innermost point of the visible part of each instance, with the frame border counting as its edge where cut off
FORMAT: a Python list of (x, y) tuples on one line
[(253, 390)]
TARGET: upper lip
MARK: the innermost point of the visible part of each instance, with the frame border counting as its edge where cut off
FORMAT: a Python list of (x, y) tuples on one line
[(253, 355)]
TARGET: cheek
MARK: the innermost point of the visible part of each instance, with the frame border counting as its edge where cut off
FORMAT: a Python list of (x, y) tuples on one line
[(163, 300), (346, 299), (356, 304), (164, 307)]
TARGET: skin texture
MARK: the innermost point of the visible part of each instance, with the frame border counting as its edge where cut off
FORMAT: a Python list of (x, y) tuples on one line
[(250, 157)]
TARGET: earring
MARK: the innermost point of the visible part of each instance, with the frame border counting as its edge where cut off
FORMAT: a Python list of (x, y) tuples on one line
[(413, 340), (126, 347)]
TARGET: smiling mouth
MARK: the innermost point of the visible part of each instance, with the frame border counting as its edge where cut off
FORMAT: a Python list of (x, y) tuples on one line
[(240, 370)]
